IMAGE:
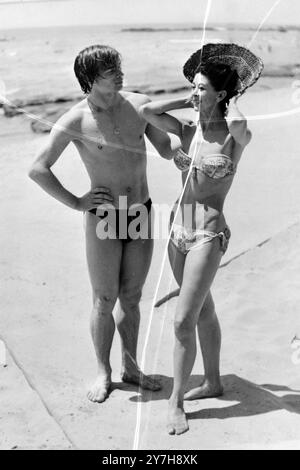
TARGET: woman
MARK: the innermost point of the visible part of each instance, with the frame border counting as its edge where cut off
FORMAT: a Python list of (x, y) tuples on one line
[(208, 156)]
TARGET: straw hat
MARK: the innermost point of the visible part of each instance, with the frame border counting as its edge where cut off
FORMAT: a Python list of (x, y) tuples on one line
[(244, 62)]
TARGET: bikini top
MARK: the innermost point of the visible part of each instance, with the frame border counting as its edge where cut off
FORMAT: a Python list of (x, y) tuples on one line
[(216, 165)]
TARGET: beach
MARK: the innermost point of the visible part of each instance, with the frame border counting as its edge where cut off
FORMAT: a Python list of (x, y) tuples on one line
[(46, 299), (46, 296)]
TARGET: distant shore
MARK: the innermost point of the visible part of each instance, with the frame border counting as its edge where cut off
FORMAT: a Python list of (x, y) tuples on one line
[(226, 27)]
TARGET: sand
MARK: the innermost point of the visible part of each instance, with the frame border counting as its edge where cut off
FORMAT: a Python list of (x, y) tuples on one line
[(46, 301)]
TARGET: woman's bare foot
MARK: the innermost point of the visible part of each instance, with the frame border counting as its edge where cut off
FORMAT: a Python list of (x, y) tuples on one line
[(177, 422), (206, 390), (138, 378), (99, 391)]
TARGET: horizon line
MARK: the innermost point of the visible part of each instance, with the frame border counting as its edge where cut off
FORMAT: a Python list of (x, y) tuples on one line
[(139, 24)]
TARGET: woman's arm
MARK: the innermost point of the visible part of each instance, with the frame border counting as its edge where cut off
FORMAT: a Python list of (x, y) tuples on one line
[(237, 124), (161, 141), (156, 113)]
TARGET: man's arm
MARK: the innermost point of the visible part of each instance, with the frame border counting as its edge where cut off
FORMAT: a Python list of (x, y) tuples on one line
[(63, 132), (237, 124)]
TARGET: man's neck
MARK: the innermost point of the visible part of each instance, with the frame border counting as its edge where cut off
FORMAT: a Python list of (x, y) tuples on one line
[(102, 103)]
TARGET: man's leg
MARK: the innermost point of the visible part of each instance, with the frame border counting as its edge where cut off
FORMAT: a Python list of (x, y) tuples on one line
[(104, 259), (135, 265)]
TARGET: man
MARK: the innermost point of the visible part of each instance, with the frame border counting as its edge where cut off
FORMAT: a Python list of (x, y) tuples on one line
[(108, 132)]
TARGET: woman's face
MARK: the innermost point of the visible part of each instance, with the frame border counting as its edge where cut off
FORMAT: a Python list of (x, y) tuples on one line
[(204, 96)]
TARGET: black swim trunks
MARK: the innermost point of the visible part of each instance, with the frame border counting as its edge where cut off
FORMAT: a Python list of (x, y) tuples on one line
[(125, 233)]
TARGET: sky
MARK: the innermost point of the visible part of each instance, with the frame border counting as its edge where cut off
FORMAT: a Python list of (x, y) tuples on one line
[(31, 13)]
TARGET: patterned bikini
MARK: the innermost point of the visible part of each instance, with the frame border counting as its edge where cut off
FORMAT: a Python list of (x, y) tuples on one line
[(215, 166)]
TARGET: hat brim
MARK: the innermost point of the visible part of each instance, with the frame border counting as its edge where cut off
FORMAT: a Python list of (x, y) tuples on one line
[(247, 65)]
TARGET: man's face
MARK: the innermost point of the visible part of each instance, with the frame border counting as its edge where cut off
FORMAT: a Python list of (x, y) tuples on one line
[(109, 82)]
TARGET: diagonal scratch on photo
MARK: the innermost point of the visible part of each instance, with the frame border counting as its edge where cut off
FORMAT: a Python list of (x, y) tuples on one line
[(150, 227)]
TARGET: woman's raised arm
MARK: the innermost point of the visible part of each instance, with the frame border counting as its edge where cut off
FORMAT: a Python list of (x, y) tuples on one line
[(237, 124), (156, 113)]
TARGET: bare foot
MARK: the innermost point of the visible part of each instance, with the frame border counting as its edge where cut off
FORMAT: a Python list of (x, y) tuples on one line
[(206, 390), (100, 390), (144, 381), (177, 422)]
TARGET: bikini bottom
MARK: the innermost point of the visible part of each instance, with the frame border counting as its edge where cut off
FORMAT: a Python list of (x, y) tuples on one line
[(190, 240)]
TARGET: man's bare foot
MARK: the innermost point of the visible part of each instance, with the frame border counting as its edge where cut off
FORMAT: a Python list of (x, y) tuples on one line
[(177, 422), (206, 390), (100, 390), (138, 378)]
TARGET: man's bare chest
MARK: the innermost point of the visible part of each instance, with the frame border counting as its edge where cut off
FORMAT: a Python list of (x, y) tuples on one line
[(107, 129)]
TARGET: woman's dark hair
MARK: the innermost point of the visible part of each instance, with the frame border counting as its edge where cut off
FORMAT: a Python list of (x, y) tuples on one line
[(221, 77), (92, 61)]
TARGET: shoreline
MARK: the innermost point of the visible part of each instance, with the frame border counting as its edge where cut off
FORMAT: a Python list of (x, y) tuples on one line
[(51, 107)]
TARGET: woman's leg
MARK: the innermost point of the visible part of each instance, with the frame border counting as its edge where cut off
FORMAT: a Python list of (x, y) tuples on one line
[(209, 333), (199, 271), (177, 260)]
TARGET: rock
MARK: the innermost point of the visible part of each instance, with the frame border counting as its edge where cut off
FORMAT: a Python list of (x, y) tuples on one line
[(44, 122), (19, 106), (11, 110)]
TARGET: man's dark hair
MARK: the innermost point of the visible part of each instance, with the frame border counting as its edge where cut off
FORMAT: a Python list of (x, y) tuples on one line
[(92, 61)]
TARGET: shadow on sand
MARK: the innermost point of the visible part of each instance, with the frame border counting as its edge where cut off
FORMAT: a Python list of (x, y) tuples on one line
[(241, 397)]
